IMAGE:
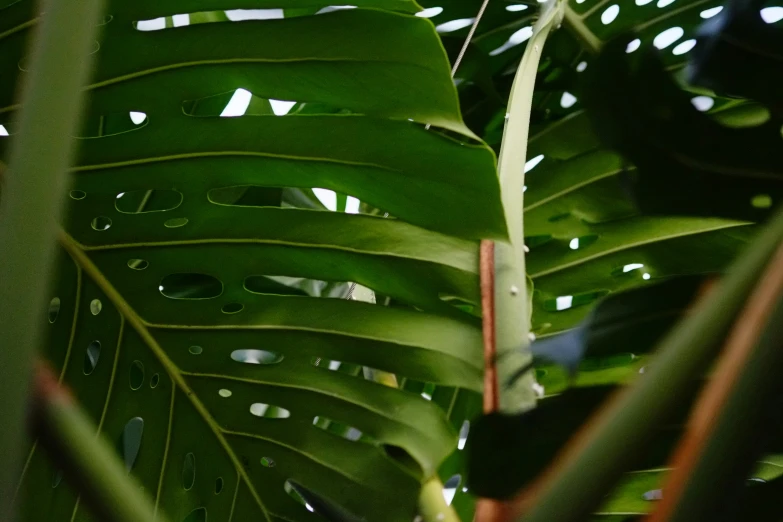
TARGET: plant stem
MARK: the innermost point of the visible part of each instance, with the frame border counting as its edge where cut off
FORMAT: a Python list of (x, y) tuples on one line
[(69, 437), (594, 460), (30, 207)]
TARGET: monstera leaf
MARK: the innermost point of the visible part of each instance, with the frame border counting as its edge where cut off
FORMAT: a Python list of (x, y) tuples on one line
[(177, 317)]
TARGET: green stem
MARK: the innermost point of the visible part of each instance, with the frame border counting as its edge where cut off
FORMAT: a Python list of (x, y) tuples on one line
[(512, 311), (89, 462), (30, 207), (588, 471)]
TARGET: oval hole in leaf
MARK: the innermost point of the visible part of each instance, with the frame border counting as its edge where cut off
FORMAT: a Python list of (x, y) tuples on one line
[(54, 309), (565, 302), (261, 284), (196, 350), (256, 356), (535, 241), (190, 286), (101, 223), (91, 357), (402, 457), (224, 393), (232, 308), (246, 196), (143, 201), (131, 441), (294, 494), (154, 381), (260, 409), (197, 515), (761, 201), (57, 478), (176, 222), (138, 264), (77, 194), (218, 485), (267, 462), (96, 306), (450, 488), (189, 471), (136, 375)]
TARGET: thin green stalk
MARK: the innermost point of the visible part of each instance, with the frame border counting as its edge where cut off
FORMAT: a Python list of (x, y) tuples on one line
[(512, 310), (88, 461), (30, 207), (587, 471)]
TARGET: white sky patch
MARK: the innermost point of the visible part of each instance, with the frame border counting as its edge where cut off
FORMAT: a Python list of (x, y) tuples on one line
[(772, 14), (645, 276), (709, 13), (138, 117), (454, 25), (239, 15), (430, 12), (180, 20), (668, 37), (567, 100), (332, 8), (464, 430), (156, 24), (515, 39), (684, 47), (238, 104), (664, 3), (632, 266), (643, 2), (610, 14), (574, 244), (352, 205), (633, 45), (702, 103), (281, 107), (327, 197), (564, 302), (3, 131), (581, 67), (516, 7), (531, 163)]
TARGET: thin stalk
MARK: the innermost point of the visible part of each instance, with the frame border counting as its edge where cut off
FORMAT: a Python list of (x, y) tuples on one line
[(597, 456), (31, 205), (89, 462), (718, 452)]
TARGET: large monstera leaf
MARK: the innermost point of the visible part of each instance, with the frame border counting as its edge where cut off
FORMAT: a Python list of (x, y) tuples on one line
[(226, 390)]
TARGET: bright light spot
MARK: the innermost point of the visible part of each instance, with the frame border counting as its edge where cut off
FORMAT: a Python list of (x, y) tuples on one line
[(772, 14), (155, 24), (709, 13), (454, 25), (515, 39), (632, 266), (664, 3), (181, 20), (702, 103), (332, 8), (567, 100), (645, 276), (3, 131), (238, 104), (633, 45), (531, 164), (448, 494), (309, 508), (564, 302), (643, 2), (429, 13), (574, 244), (516, 7), (280, 107), (238, 15), (580, 1), (464, 430), (334, 365), (138, 117), (352, 205), (684, 47), (668, 37), (160, 288), (538, 389), (581, 67), (609, 15), (120, 195), (653, 494), (464, 490), (524, 188), (427, 396)]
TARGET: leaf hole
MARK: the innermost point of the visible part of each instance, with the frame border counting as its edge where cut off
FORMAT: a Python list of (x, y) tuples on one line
[(565, 302), (188, 471), (218, 485), (176, 222), (232, 308), (402, 457), (131, 441), (190, 286), (101, 223), (197, 515), (154, 380), (341, 430), (96, 306), (256, 356), (138, 264), (761, 201), (267, 462), (450, 488), (54, 309), (77, 194), (223, 392), (144, 201), (136, 375), (91, 357), (260, 409), (57, 477)]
